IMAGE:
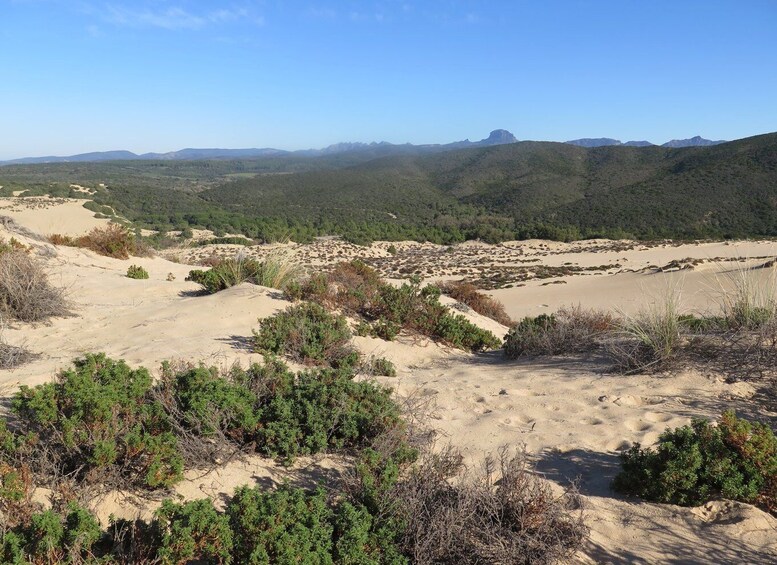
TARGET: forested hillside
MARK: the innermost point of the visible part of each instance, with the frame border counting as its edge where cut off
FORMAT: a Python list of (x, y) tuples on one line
[(517, 190)]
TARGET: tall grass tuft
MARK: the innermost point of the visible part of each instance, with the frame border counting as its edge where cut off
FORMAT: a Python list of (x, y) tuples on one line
[(651, 337), (747, 301)]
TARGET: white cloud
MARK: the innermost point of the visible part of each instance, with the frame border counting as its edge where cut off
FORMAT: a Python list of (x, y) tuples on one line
[(175, 17)]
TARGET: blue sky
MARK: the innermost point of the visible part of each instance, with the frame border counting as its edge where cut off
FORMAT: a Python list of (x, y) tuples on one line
[(156, 75)]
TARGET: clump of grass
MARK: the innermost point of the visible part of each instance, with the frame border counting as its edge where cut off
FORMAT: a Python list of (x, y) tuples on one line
[(736, 459), (570, 330), (137, 272), (25, 292), (747, 301), (468, 294), (276, 271), (307, 333), (650, 339)]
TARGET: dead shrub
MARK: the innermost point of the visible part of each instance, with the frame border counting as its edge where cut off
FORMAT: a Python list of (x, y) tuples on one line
[(502, 513), (25, 292), (570, 330), (113, 240), (12, 356), (468, 294)]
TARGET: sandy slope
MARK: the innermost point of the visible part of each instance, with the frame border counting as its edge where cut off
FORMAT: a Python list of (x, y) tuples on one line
[(572, 416)]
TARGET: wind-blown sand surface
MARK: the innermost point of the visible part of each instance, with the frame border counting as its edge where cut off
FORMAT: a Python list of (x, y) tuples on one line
[(570, 413)]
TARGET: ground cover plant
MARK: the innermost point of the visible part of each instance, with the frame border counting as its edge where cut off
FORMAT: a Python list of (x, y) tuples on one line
[(393, 508), (137, 272), (276, 271), (309, 334), (357, 289), (691, 465), (103, 425), (113, 240)]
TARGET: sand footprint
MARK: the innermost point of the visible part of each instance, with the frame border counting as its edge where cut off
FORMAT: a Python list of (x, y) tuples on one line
[(638, 426), (657, 417)]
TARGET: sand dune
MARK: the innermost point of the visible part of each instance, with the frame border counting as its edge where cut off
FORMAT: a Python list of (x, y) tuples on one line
[(571, 415)]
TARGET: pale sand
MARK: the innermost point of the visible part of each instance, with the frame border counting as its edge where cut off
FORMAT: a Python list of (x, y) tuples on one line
[(571, 415), (48, 216)]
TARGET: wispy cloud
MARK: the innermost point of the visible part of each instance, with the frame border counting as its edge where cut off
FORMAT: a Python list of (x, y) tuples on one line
[(175, 17)]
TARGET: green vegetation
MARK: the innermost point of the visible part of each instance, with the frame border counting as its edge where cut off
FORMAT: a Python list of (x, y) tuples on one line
[(136, 272), (308, 334), (106, 425), (357, 289), (736, 459), (276, 271), (102, 421), (516, 191)]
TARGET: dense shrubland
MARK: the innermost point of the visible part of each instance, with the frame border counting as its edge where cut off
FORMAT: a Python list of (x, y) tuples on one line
[(102, 425), (516, 191), (356, 289)]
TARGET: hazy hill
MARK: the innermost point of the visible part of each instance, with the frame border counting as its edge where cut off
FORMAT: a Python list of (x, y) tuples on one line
[(495, 192), (695, 141)]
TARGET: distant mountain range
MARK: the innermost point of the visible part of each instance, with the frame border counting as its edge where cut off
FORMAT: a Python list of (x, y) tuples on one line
[(496, 137), (607, 141)]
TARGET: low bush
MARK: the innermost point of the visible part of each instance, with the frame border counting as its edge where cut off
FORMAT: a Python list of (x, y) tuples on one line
[(25, 292), (307, 333), (468, 294), (112, 240), (380, 367), (570, 330), (357, 289), (96, 424), (276, 271), (691, 465), (136, 272)]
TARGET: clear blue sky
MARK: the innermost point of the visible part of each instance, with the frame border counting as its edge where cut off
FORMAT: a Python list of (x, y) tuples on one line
[(153, 75)]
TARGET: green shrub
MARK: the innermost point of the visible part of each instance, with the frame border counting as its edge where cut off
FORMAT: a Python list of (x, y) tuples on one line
[(97, 421), (50, 537), (326, 409), (307, 333), (207, 403), (136, 272), (736, 459), (284, 526), (357, 289), (382, 367), (193, 532)]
